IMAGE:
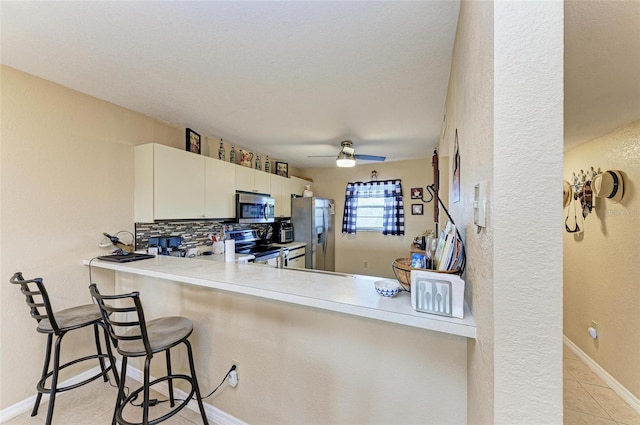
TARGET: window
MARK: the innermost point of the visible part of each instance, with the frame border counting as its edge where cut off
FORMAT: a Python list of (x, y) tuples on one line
[(374, 206), (369, 214)]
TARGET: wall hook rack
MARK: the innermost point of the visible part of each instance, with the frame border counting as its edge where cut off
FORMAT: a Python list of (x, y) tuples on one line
[(578, 180)]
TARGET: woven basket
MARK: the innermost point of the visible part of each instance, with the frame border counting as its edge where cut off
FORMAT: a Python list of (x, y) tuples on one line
[(402, 269)]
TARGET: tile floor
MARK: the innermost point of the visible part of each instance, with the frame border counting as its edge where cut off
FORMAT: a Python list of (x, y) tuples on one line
[(587, 401), (93, 405)]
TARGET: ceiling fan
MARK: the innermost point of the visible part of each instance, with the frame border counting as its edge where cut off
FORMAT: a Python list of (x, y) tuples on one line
[(347, 156)]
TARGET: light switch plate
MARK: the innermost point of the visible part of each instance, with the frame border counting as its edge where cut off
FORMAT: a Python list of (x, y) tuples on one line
[(480, 204)]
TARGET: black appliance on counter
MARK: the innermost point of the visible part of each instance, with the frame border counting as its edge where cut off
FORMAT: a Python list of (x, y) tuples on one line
[(248, 242), (167, 245), (283, 231)]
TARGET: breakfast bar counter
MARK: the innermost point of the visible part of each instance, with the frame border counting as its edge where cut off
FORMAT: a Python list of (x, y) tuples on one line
[(311, 347), (338, 292)]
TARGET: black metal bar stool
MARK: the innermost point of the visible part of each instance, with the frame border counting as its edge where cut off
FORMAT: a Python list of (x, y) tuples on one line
[(59, 324), (134, 337)]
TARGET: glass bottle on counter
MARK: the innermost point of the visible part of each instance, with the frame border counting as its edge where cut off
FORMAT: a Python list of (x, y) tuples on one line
[(280, 259), (267, 165), (232, 155), (221, 151)]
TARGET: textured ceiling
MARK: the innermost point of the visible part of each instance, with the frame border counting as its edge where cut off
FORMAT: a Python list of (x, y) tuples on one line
[(289, 79), (293, 79)]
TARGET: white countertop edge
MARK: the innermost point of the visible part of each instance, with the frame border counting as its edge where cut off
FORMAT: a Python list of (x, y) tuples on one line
[(461, 327)]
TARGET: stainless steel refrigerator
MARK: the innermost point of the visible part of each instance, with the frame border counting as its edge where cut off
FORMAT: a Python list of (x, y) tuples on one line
[(313, 223)]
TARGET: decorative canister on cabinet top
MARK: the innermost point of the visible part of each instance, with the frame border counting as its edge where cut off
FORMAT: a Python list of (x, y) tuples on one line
[(267, 165), (307, 193), (232, 155), (258, 164), (245, 158), (221, 151)]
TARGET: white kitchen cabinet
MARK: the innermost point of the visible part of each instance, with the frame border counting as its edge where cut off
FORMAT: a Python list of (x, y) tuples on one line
[(281, 191), (298, 185), (220, 188), (250, 180), (286, 197), (296, 257), (169, 184), (276, 192)]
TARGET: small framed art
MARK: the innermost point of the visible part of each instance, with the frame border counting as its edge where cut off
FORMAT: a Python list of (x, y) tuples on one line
[(416, 209), (193, 141), (282, 169), (416, 193)]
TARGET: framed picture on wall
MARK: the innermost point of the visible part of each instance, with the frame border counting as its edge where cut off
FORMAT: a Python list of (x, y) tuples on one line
[(193, 141), (416, 193), (416, 209), (282, 169)]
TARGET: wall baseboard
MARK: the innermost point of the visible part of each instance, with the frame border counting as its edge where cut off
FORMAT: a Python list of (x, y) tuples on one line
[(616, 386), (27, 404), (219, 417), (214, 414)]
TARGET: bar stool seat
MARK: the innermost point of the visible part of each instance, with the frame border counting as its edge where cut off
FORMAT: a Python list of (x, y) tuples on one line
[(59, 324), (163, 334), (72, 318)]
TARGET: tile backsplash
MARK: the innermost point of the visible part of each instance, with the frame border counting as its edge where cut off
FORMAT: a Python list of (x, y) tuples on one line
[(194, 233)]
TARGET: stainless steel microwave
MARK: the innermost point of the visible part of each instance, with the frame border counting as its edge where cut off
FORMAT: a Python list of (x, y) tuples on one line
[(254, 208)]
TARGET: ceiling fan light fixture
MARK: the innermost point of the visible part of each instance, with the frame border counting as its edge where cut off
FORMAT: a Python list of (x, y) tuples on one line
[(345, 160)]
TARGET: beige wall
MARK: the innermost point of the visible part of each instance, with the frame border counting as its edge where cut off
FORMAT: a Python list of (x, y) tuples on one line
[(469, 108), (372, 253), (67, 176), (300, 365), (503, 50), (602, 265), (67, 172)]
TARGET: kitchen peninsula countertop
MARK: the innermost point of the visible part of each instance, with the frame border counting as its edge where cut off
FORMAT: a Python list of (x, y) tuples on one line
[(343, 293)]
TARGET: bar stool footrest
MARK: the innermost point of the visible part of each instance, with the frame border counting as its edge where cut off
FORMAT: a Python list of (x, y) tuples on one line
[(134, 395), (42, 389)]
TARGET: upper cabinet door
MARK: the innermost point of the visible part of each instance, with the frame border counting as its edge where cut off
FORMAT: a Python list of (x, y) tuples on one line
[(298, 185), (250, 180), (178, 184), (276, 192), (285, 209), (262, 182), (245, 178), (220, 185), (281, 191)]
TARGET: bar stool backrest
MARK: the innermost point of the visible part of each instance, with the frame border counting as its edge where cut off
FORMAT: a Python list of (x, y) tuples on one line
[(37, 298), (118, 319)]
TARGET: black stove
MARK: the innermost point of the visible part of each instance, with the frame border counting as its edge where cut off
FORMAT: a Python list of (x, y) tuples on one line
[(248, 242)]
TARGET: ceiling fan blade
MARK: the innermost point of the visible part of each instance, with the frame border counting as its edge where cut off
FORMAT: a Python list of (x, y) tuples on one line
[(370, 157)]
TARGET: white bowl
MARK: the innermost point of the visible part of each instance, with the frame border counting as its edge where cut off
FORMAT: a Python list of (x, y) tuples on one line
[(387, 288)]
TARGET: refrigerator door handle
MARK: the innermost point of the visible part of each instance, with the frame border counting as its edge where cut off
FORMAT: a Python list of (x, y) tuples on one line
[(324, 232)]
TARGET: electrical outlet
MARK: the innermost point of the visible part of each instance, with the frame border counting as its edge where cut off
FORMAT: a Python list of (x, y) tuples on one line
[(593, 330), (232, 380)]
